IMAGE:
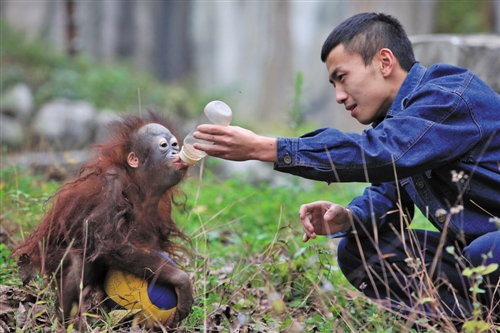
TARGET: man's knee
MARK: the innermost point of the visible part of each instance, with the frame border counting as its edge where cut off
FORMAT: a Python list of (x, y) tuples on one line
[(485, 250), (347, 253), (350, 260)]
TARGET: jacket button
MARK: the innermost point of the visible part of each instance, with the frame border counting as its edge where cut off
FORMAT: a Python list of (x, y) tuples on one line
[(287, 159), (441, 218), (420, 184)]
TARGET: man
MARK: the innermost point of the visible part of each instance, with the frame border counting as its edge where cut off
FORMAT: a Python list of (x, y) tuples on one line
[(434, 143)]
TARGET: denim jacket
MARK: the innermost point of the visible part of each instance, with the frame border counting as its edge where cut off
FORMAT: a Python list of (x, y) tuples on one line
[(437, 148)]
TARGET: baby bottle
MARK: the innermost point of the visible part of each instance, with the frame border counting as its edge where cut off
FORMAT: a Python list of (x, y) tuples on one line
[(216, 113)]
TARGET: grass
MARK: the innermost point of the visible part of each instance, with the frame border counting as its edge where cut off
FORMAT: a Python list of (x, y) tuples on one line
[(249, 267)]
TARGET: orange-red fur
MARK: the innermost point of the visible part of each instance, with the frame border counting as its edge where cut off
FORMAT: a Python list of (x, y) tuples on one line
[(98, 219)]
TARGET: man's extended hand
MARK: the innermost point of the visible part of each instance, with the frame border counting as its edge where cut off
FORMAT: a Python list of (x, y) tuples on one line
[(323, 218), (235, 143)]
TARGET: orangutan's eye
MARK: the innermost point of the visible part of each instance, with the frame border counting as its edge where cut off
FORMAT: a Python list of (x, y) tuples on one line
[(174, 143), (163, 143)]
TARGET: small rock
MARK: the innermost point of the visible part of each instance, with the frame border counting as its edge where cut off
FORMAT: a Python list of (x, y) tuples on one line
[(66, 124), (18, 102)]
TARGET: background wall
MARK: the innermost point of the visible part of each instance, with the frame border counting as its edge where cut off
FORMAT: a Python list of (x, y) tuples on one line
[(249, 50)]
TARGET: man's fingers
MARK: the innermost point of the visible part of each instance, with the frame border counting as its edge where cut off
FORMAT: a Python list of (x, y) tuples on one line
[(308, 228), (205, 137), (212, 129), (302, 211), (206, 148), (309, 234), (307, 225)]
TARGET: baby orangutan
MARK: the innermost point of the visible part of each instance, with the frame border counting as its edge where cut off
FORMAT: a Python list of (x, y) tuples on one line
[(116, 214)]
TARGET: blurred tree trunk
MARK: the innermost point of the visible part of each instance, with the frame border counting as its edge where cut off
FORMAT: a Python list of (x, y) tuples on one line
[(278, 65), (496, 9), (172, 55), (154, 34), (250, 51), (126, 27)]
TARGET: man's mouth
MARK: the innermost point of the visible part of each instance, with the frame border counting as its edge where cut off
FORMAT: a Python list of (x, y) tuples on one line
[(352, 108)]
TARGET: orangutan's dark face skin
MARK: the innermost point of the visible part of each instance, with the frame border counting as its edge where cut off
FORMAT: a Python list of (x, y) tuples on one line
[(156, 156)]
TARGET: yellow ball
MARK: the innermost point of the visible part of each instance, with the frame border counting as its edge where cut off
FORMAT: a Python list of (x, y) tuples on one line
[(156, 302)]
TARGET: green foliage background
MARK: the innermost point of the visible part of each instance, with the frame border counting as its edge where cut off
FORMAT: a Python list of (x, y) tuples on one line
[(465, 17), (116, 86)]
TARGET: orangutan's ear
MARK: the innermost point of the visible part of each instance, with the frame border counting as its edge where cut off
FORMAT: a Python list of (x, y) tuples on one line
[(132, 160)]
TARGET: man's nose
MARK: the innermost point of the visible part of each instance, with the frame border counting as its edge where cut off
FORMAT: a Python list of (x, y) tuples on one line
[(340, 95)]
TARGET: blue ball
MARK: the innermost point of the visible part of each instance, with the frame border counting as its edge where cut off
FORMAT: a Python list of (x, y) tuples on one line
[(162, 296)]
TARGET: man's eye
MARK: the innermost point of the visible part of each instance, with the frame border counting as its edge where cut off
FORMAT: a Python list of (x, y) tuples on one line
[(341, 76)]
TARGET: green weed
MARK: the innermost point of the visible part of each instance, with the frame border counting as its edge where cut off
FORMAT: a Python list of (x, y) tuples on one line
[(250, 269)]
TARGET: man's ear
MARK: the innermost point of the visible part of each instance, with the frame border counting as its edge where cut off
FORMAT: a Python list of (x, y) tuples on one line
[(387, 61), (132, 160)]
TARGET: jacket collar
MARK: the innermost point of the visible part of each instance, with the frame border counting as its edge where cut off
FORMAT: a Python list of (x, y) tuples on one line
[(411, 82)]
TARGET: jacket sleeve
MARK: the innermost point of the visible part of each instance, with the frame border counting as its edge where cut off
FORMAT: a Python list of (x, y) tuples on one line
[(424, 135), (382, 206)]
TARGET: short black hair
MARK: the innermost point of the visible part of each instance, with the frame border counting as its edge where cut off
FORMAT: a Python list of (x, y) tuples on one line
[(367, 33)]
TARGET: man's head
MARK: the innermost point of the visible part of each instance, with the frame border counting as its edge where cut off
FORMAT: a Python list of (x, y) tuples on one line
[(367, 57), (367, 33)]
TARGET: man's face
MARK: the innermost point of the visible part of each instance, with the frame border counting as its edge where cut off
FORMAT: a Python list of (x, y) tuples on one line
[(363, 90)]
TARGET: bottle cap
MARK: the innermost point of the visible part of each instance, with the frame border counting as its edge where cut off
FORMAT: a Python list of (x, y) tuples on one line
[(186, 159), (219, 113)]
